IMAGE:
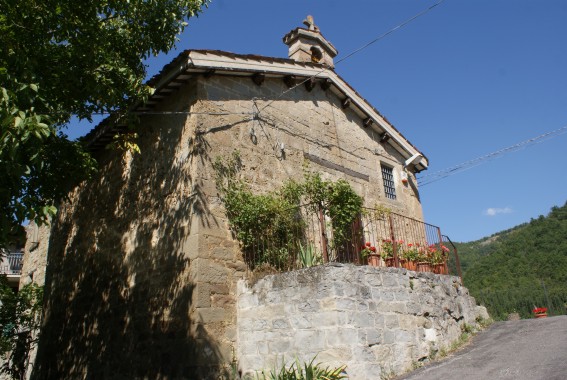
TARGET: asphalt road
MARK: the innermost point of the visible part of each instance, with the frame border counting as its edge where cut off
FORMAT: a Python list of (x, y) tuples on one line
[(527, 349)]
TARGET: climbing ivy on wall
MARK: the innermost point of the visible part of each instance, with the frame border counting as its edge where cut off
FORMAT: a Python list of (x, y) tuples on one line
[(270, 226)]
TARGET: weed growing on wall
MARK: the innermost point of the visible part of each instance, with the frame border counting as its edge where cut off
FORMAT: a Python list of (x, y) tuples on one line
[(338, 201), (270, 226)]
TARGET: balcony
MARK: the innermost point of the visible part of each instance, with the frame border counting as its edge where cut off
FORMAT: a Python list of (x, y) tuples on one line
[(11, 267)]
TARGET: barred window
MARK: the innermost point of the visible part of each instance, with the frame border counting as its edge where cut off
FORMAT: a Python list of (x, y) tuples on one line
[(388, 178)]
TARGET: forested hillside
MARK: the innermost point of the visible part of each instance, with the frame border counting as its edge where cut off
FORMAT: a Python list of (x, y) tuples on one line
[(521, 268)]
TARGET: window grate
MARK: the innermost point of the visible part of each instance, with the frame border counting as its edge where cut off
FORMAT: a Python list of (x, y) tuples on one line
[(388, 178)]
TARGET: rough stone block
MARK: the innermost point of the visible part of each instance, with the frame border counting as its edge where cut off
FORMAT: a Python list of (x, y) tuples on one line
[(314, 339), (211, 314), (248, 300), (401, 295), (373, 336), (379, 321), (413, 308), (390, 280), (364, 354), (308, 305), (373, 279), (342, 337), (329, 303), (362, 306), (222, 300), (361, 319), (395, 307), (280, 323), (404, 336), (430, 334), (302, 322), (389, 337), (348, 304), (376, 293), (391, 321), (249, 347), (386, 295), (190, 246), (209, 271), (202, 295), (409, 322), (338, 355)]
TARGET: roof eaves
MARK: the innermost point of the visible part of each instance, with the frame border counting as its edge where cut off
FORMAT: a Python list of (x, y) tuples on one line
[(196, 59)]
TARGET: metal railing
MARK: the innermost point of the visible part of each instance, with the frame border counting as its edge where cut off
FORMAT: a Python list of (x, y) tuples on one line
[(11, 263), (313, 238)]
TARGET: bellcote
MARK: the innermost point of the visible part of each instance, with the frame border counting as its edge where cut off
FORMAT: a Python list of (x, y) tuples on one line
[(309, 45)]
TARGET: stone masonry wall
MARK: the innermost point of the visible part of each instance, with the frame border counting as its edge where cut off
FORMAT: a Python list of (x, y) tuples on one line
[(142, 270), (377, 321), (124, 277), (35, 254), (311, 126)]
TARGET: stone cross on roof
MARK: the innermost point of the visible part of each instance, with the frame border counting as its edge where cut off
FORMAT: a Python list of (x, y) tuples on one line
[(310, 23)]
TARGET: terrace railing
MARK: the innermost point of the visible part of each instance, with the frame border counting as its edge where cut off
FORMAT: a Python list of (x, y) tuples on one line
[(11, 263), (313, 238)]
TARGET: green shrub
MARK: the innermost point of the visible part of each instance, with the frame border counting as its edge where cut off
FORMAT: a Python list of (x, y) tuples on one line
[(307, 371)]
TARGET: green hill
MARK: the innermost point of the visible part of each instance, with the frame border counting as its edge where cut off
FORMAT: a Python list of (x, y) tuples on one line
[(517, 269)]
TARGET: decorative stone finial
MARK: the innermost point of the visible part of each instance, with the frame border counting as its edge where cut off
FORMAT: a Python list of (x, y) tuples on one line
[(310, 23), (309, 45)]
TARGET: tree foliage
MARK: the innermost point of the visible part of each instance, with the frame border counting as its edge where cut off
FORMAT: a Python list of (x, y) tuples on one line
[(521, 268), (60, 58), (20, 315)]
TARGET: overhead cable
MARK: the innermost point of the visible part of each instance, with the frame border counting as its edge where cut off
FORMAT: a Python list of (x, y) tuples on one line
[(390, 31), (426, 179)]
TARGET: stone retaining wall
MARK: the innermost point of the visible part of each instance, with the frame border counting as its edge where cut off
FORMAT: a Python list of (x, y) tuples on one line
[(377, 321)]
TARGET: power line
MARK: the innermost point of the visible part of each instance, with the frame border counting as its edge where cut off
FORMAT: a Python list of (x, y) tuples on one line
[(439, 175), (165, 113), (390, 31)]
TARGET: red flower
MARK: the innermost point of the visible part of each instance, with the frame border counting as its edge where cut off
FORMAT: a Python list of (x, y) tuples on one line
[(373, 249), (368, 244)]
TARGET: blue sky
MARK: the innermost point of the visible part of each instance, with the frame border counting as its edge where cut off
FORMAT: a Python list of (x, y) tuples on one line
[(464, 80)]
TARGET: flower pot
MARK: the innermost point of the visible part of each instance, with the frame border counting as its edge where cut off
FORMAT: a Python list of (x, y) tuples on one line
[(437, 268), (410, 265), (390, 262), (374, 260), (541, 315), (423, 266)]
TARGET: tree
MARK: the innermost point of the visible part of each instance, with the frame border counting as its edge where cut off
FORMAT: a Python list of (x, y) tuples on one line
[(20, 315), (60, 58)]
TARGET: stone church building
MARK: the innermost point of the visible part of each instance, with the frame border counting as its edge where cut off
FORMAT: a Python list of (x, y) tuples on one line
[(142, 266)]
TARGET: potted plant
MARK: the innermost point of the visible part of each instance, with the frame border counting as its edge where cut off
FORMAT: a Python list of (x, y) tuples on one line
[(438, 257), (368, 253), (540, 312), (388, 251), (424, 258), (411, 254)]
